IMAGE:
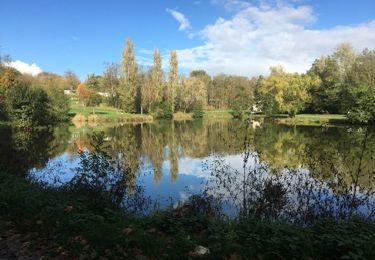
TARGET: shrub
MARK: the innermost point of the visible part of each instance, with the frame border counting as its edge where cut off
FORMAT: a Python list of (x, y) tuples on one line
[(28, 106), (164, 111), (59, 108), (236, 114), (198, 111)]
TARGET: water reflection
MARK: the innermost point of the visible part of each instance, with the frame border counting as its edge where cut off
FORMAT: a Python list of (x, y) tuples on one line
[(169, 158)]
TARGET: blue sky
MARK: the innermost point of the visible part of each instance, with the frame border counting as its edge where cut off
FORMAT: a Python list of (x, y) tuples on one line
[(221, 36)]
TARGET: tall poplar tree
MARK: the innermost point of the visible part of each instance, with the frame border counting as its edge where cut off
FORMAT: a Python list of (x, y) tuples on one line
[(157, 77), (130, 78), (173, 79)]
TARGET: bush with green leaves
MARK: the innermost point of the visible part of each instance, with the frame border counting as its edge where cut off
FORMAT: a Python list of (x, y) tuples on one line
[(198, 111), (59, 105), (163, 111), (28, 106)]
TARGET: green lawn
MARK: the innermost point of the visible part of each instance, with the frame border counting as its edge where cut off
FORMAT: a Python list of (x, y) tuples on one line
[(310, 119), (217, 113), (106, 113)]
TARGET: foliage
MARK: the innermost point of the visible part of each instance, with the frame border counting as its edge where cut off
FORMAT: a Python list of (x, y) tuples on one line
[(63, 223), (94, 82), (157, 79), (111, 84), (94, 100), (147, 91), (173, 80), (360, 89), (87, 96), (325, 97), (228, 91), (9, 77), (129, 83), (285, 92), (59, 105), (163, 111), (191, 92), (198, 111), (28, 106)]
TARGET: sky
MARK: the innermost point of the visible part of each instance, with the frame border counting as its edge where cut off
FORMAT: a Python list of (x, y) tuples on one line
[(219, 36)]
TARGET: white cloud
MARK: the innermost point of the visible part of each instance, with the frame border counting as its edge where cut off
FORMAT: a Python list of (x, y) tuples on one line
[(259, 36), (184, 22), (24, 67)]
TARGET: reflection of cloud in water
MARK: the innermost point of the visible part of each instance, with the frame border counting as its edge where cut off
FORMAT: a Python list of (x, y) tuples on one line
[(196, 167), (58, 171)]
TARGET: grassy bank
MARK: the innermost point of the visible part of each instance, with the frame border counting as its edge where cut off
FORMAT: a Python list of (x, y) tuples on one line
[(107, 114), (208, 114), (62, 223), (225, 114), (307, 119), (104, 114)]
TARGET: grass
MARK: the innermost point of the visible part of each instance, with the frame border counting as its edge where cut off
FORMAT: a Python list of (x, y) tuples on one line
[(106, 114), (308, 119), (66, 224), (217, 114)]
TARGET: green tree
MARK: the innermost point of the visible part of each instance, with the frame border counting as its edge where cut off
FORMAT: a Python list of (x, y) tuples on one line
[(147, 91), (59, 105), (111, 83), (173, 80), (359, 90), (325, 97), (94, 82), (129, 84), (157, 78), (28, 106), (190, 92), (345, 57), (206, 79), (285, 92)]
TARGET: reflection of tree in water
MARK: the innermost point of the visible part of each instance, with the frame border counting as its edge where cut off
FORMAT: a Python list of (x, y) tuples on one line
[(260, 189), (22, 150), (336, 148), (280, 146), (124, 144), (108, 175)]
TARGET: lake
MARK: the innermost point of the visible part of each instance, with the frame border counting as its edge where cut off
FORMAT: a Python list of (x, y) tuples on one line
[(172, 160)]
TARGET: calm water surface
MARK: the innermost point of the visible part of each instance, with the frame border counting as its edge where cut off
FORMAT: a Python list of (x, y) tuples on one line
[(171, 160)]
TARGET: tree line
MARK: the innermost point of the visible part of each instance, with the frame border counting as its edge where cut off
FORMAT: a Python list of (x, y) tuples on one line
[(343, 82), (339, 83), (136, 89)]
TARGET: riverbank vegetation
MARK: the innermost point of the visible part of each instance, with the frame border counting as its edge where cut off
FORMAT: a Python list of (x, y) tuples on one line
[(59, 223), (340, 83)]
